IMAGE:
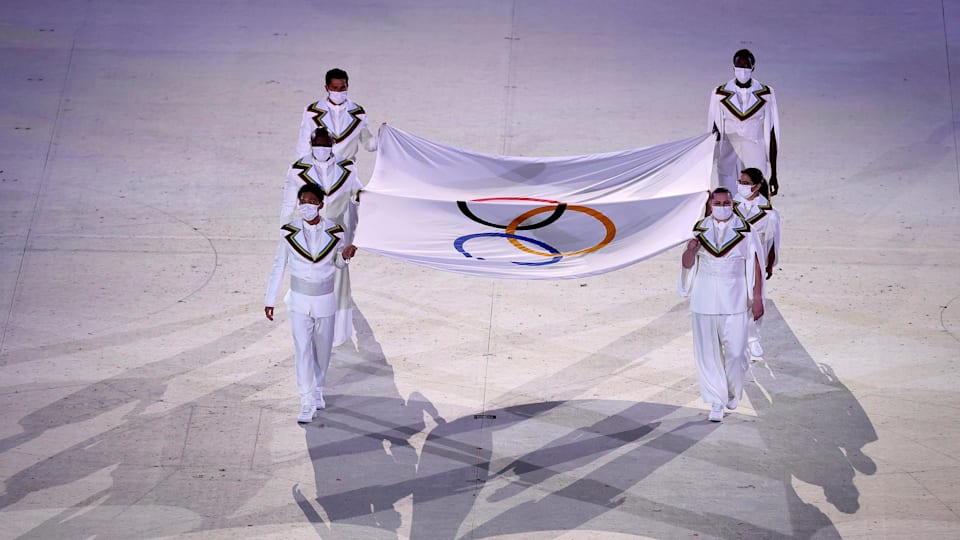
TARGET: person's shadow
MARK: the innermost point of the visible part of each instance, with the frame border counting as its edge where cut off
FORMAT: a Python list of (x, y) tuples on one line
[(127, 396), (143, 456), (812, 421), (361, 444), (512, 459), (603, 465)]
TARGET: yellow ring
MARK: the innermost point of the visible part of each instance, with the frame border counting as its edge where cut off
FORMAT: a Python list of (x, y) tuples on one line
[(611, 230)]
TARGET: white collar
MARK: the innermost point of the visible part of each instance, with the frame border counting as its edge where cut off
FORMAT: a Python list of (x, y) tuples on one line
[(325, 163), (754, 86), (760, 200)]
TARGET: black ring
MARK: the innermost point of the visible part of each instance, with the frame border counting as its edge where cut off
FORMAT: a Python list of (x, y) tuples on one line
[(558, 211)]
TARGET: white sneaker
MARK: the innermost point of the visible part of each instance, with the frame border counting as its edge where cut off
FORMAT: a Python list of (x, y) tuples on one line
[(756, 349), (307, 412), (318, 397), (716, 413)]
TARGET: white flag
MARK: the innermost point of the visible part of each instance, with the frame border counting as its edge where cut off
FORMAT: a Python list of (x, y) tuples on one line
[(530, 218)]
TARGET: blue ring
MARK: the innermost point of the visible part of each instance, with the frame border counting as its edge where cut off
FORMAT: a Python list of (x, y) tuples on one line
[(458, 243)]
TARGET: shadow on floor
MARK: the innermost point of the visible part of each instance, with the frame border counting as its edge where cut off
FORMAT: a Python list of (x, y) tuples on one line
[(634, 468), (602, 465)]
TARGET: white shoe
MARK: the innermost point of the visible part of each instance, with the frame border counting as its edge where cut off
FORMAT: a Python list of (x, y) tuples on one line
[(756, 349), (716, 413), (318, 398), (307, 412)]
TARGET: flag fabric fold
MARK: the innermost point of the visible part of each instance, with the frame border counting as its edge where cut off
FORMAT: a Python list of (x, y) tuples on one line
[(530, 217)]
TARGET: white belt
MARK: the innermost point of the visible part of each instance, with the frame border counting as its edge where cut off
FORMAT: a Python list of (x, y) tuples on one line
[(311, 288), (722, 268)]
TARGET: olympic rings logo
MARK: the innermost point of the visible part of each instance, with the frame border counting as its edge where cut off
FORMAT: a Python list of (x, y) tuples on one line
[(555, 211)]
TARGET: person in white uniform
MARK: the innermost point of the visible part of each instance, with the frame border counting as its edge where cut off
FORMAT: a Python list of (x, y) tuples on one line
[(753, 205), (337, 178), (743, 114), (312, 249), (720, 272), (345, 120)]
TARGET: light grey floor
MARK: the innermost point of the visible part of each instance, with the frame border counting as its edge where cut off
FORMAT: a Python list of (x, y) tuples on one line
[(142, 393)]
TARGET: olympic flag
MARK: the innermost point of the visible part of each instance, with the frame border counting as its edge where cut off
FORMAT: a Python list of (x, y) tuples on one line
[(530, 218)]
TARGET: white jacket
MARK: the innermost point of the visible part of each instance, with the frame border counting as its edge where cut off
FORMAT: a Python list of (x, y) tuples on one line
[(310, 270), (722, 277), (752, 120), (337, 179), (764, 220), (353, 129)]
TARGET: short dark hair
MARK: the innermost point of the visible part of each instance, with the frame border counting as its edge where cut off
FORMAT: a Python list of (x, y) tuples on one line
[(742, 53), (319, 132), (720, 189), (337, 73), (310, 188)]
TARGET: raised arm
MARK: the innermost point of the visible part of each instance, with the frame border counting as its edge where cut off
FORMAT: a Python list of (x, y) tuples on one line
[(713, 120), (344, 254), (369, 140), (688, 262), (307, 125), (288, 202)]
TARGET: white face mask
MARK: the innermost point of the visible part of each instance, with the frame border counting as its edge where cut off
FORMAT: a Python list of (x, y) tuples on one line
[(743, 75), (745, 191), (321, 153), (722, 213), (338, 97), (309, 212)]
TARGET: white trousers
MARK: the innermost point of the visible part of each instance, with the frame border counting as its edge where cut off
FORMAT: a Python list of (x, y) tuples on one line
[(312, 344), (720, 351), (754, 334), (735, 153)]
